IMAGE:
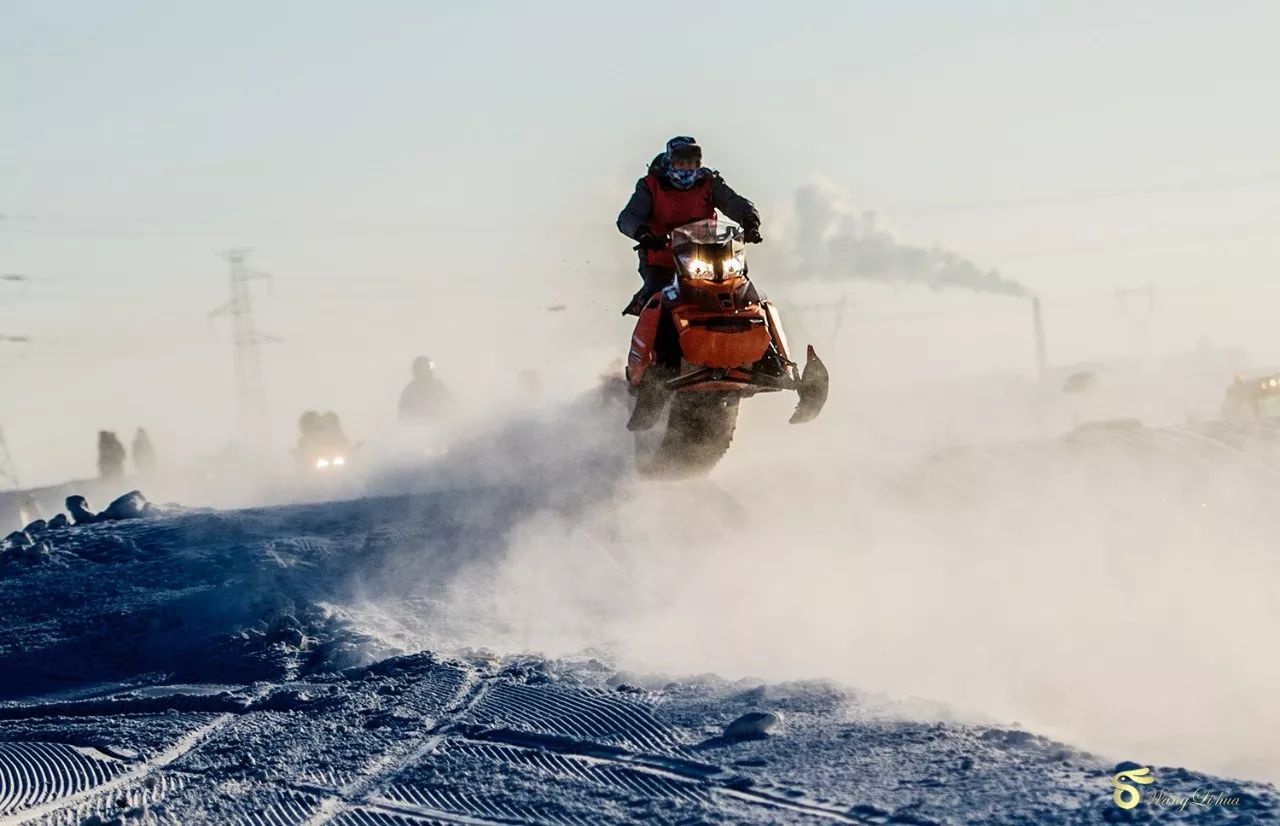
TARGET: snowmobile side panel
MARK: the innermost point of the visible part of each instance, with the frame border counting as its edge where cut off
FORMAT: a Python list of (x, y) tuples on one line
[(643, 341), (775, 327)]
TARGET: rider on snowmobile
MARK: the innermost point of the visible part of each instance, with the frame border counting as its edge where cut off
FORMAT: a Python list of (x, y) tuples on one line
[(425, 398), (321, 442), (678, 190)]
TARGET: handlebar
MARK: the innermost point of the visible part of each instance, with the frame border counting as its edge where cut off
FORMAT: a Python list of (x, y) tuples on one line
[(667, 238)]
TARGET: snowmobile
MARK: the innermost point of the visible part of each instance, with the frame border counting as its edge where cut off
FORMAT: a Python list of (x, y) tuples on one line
[(322, 446), (704, 343), (1250, 400), (328, 468), (324, 455)]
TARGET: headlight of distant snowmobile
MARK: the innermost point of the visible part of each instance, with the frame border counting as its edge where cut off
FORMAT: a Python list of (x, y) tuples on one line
[(321, 464), (734, 265), (339, 461), (698, 268)]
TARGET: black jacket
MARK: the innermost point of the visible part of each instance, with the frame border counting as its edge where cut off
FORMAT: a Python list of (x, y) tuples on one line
[(639, 210)]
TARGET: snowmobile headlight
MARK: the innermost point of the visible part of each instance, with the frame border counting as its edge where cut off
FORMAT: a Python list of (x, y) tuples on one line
[(734, 264), (339, 461), (698, 268), (321, 464)]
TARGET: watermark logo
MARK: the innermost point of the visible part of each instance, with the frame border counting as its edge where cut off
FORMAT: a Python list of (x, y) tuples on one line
[(1126, 793)]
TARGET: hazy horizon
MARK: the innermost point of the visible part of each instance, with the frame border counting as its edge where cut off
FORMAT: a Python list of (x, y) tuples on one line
[(424, 179)]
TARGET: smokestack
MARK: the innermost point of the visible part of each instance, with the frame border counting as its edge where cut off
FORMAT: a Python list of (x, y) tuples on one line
[(1038, 330)]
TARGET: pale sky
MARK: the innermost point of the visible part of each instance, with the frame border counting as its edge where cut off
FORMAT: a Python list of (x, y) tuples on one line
[(415, 175)]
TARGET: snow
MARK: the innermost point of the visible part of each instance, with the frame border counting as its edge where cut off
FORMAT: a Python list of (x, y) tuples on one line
[(752, 725), (314, 663)]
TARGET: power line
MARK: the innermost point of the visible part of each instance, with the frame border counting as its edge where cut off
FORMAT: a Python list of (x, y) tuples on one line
[(7, 472), (250, 393), (9, 296), (1144, 301)]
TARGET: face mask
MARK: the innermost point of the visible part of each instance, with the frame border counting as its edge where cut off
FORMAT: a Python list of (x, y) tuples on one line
[(683, 178)]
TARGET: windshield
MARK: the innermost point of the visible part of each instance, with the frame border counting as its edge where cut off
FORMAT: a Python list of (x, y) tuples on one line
[(710, 231), (709, 250)]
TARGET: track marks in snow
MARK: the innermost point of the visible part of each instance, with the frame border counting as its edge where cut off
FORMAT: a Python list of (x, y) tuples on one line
[(472, 808), (35, 773), (76, 791), (327, 778), (582, 713), (395, 817), (292, 808), (650, 775), (644, 783), (340, 802), (585, 737), (574, 744)]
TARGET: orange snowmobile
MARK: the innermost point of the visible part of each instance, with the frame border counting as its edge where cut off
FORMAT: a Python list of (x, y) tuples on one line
[(703, 344)]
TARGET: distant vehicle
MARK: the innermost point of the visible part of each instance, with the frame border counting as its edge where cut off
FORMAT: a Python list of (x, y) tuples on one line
[(324, 460), (322, 446), (1084, 381), (1248, 400)]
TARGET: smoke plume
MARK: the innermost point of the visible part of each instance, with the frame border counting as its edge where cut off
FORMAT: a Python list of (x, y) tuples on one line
[(834, 243)]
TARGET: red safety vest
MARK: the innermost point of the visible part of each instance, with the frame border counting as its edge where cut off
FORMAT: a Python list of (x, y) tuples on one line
[(674, 208)]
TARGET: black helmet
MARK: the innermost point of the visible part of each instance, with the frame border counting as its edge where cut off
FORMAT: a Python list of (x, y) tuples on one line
[(423, 367)]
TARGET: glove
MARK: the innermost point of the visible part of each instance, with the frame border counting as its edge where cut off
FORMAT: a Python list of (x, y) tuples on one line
[(646, 240), (751, 235), (634, 307)]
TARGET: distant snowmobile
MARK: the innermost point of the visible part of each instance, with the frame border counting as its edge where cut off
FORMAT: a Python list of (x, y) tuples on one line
[(322, 446), (1249, 400), (335, 460), (703, 344), (325, 458)]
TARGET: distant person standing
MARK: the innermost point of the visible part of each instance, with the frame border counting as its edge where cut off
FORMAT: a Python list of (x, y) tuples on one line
[(111, 456), (144, 453), (28, 509), (425, 398)]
